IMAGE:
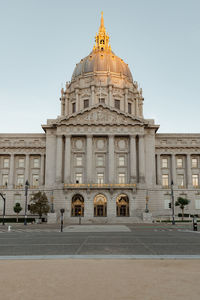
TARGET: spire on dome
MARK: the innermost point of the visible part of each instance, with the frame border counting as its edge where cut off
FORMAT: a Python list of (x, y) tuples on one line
[(102, 38)]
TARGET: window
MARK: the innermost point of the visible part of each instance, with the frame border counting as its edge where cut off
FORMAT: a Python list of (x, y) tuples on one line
[(21, 163), (197, 203), (164, 163), (121, 177), (36, 163), (165, 180), (20, 180), (180, 180), (35, 180), (101, 100), (179, 162), (100, 161), (129, 108), (194, 163), (121, 161), (79, 161), (117, 104), (79, 178), (100, 178), (195, 180), (6, 163), (73, 107), (167, 200), (86, 103), (4, 179)]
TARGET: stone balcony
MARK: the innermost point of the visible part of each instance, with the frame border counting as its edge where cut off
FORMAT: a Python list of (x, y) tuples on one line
[(102, 186)]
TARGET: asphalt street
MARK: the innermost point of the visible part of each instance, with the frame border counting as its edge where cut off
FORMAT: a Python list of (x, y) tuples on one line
[(138, 240)]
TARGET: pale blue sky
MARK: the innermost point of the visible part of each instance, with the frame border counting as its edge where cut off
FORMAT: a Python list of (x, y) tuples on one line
[(42, 40)]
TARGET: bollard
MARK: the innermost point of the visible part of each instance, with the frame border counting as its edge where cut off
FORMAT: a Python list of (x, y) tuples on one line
[(194, 224), (9, 228)]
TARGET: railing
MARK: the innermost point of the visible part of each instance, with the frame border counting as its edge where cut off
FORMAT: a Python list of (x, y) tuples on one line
[(165, 186), (99, 185), (3, 186)]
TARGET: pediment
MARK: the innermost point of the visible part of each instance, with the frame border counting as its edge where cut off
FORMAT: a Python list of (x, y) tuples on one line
[(100, 114)]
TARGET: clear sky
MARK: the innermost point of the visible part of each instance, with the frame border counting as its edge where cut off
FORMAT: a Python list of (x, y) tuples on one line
[(42, 40)]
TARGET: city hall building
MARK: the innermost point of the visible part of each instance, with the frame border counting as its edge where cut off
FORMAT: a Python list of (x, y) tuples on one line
[(101, 159)]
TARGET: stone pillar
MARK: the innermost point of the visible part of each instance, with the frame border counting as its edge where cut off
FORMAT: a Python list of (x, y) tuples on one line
[(50, 166), (59, 159), (92, 96), (11, 172), (67, 170), (189, 173), (27, 168), (141, 160), (111, 159), (158, 169), (62, 107), (42, 169), (89, 159), (173, 169), (110, 101), (66, 105), (126, 100), (136, 107), (77, 100), (133, 160)]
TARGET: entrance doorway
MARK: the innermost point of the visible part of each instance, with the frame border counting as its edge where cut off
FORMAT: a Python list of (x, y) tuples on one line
[(100, 206), (77, 206), (122, 206)]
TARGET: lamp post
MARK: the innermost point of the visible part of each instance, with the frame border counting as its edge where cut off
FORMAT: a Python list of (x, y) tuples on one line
[(26, 194), (172, 199), (147, 201), (61, 219), (4, 208)]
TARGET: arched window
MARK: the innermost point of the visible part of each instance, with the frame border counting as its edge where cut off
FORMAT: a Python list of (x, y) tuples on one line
[(100, 206), (122, 206), (77, 206)]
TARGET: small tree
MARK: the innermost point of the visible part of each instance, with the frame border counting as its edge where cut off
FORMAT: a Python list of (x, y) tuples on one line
[(17, 208), (39, 204), (182, 202)]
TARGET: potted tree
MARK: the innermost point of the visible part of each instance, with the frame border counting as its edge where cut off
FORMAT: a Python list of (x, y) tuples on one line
[(182, 202), (17, 208)]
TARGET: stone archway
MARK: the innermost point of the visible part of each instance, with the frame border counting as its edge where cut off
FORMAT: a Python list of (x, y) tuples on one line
[(100, 206), (122, 206), (77, 206)]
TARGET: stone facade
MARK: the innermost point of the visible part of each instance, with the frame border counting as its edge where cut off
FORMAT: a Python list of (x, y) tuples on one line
[(100, 159)]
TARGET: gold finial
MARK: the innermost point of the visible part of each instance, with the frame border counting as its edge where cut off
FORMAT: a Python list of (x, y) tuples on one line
[(102, 38)]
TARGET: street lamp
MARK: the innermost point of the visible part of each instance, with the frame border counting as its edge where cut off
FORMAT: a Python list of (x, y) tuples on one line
[(4, 208), (147, 200), (26, 194), (172, 199), (61, 219)]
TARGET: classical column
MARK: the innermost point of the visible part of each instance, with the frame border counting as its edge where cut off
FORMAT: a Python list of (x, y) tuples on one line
[(27, 167), (158, 169), (59, 159), (111, 159), (189, 173), (136, 107), (62, 106), (42, 169), (67, 170), (89, 159), (11, 173), (173, 169), (126, 101), (66, 105), (133, 159), (141, 160), (92, 96), (77, 100), (110, 103)]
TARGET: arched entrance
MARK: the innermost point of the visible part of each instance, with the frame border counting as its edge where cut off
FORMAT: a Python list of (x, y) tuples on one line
[(122, 206), (77, 206), (100, 206)]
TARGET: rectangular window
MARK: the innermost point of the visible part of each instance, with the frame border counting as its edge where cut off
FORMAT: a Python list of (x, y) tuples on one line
[(5, 179), (79, 161), (165, 180), (21, 163), (35, 180), (197, 203), (164, 163), (100, 178), (86, 103), (6, 163), (100, 161), (167, 200), (180, 180), (121, 177), (129, 108), (36, 163), (73, 107), (121, 161), (20, 180), (195, 180), (117, 104), (79, 178), (194, 163), (179, 162), (101, 100)]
